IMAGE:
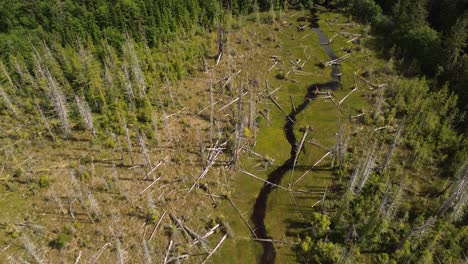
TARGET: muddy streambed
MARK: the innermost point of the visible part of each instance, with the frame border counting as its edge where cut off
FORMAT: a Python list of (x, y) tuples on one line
[(260, 207)]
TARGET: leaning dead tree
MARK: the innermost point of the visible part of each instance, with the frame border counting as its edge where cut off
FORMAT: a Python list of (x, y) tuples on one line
[(32, 249), (7, 101), (363, 171), (85, 113), (213, 155), (458, 198), (418, 231), (59, 102), (390, 200), (144, 150), (389, 154), (128, 140), (55, 94)]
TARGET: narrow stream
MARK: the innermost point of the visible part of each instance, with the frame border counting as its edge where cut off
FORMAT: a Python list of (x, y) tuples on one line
[(259, 212)]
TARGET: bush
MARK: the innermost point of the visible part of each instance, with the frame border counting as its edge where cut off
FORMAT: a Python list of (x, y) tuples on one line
[(280, 75), (366, 10), (60, 241), (43, 182)]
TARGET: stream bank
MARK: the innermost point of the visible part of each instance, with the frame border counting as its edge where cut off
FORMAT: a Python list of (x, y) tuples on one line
[(275, 177)]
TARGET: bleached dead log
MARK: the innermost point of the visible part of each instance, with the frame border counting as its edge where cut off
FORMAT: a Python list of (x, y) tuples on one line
[(351, 40), (157, 225), (241, 216), (305, 36), (77, 260), (230, 103), (147, 253), (265, 181), (180, 226), (298, 151), (368, 82), (85, 113), (259, 155), (274, 91), (274, 65), (96, 256), (177, 259), (149, 186), (230, 78), (216, 248), (315, 143), (344, 98), (333, 37), (338, 60), (280, 108), (167, 252), (322, 200), (119, 251), (156, 167), (219, 58), (211, 161), (292, 104), (321, 159), (31, 249), (316, 163), (336, 105)]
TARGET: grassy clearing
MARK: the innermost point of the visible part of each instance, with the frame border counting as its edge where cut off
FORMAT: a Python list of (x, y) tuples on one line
[(321, 115)]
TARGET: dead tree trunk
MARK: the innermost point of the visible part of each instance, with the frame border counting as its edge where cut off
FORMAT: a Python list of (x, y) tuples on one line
[(220, 44), (390, 152), (458, 195), (59, 102), (144, 151), (129, 142), (239, 127), (85, 112), (211, 108), (7, 101)]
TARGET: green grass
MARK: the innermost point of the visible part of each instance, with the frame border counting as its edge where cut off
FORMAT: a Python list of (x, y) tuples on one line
[(321, 115)]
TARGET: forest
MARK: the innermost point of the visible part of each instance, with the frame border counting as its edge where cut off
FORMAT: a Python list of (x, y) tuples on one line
[(209, 131)]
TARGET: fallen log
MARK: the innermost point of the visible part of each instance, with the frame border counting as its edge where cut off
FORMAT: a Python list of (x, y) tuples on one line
[(241, 216), (216, 248)]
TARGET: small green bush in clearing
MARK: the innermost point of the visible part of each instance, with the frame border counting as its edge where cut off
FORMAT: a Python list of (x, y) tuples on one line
[(60, 241)]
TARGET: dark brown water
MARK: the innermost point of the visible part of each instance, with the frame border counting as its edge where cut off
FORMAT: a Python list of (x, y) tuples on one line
[(259, 212)]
